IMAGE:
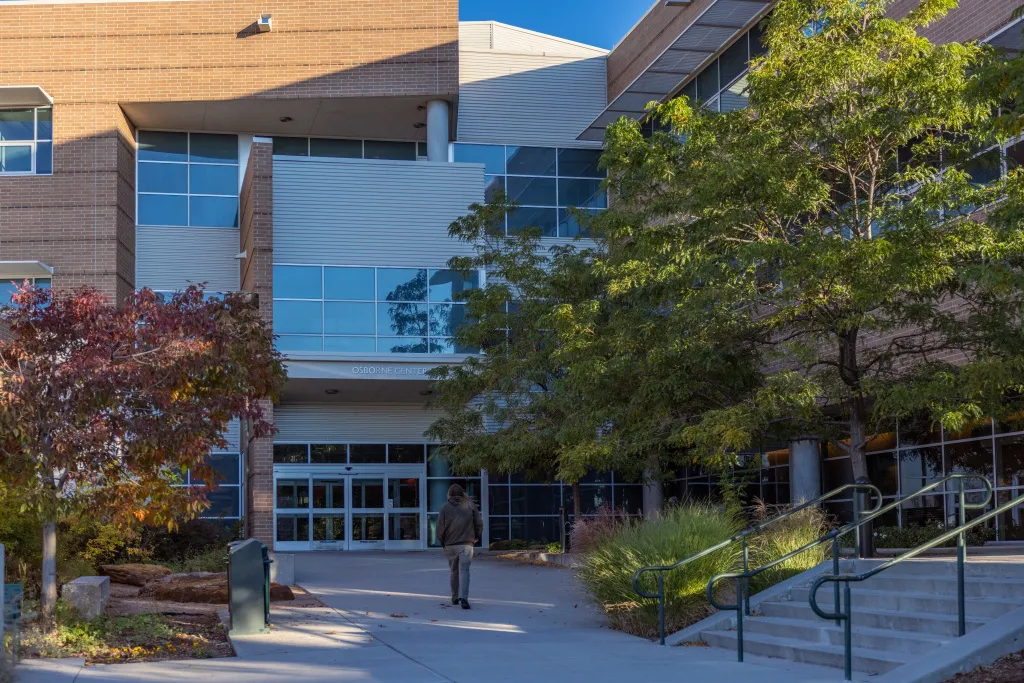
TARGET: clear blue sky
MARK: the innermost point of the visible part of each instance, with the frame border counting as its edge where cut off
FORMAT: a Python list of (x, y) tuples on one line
[(595, 22)]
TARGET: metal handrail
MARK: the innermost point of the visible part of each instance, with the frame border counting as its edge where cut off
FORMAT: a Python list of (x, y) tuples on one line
[(742, 536), (960, 533), (743, 578)]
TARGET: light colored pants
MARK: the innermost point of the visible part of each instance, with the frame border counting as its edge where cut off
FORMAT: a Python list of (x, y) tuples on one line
[(459, 559)]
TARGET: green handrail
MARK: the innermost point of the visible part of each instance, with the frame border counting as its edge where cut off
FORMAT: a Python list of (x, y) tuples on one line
[(960, 533), (743, 578), (742, 536)]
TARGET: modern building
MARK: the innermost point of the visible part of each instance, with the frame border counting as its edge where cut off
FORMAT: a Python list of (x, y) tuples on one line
[(314, 153)]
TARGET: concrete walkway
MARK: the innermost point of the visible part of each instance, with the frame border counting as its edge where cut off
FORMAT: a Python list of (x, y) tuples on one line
[(389, 620)]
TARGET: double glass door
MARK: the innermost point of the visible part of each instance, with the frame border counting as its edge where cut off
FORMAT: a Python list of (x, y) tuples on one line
[(349, 511)]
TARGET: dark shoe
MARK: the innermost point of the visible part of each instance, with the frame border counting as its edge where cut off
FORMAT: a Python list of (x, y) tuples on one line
[(455, 600), (464, 603)]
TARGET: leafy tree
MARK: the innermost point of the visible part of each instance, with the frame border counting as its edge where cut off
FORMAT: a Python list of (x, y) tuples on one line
[(102, 406), (832, 224)]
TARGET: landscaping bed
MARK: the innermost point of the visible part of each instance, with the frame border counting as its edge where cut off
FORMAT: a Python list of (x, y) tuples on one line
[(1008, 669)]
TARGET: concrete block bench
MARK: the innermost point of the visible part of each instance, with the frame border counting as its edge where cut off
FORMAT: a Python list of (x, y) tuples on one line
[(88, 594)]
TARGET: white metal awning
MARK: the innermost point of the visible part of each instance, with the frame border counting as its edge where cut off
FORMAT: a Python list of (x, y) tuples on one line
[(19, 270), (24, 96)]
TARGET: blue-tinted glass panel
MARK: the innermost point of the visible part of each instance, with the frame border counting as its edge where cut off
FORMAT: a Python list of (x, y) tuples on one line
[(401, 345), (449, 345), (294, 147), (211, 148), (402, 320), (446, 318), (530, 217), (16, 159), (292, 343), (42, 282), (213, 179), (350, 344), (733, 61), (223, 502), (17, 124), (44, 123), (156, 209), (491, 156), (165, 178), (581, 193), (157, 146), (532, 191), (344, 317), (348, 283), (214, 212), (531, 161), (401, 284), (493, 183), (298, 317), (383, 149), (224, 464), (338, 149), (297, 282), (44, 158), (707, 82), (569, 225), (581, 163), (445, 284), (8, 288)]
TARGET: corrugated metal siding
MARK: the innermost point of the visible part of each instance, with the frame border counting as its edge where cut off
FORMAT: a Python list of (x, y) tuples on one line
[(171, 258), (529, 99), (370, 212), (505, 38), (476, 35), (233, 435), (371, 423)]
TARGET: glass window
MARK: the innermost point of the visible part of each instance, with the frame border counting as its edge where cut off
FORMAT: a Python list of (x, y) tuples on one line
[(386, 149), (346, 317), (569, 225), (402, 345), (367, 453), (292, 528), (298, 317), (16, 159), (292, 493), (580, 163), (339, 149), (328, 494), (209, 148), (404, 492), (328, 453), (226, 466), (582, 193), (530, 161), (446, 284), (406, 453), (21, 134), (291, 453), (445, 319), (44, 158), (293, 147), (44, 123), (707, 82), (159, 146), (368, 492), (213, 212), (297, 282), (631, 498), (733, 61), (288, 342), (499, 500), (400, 319), (401, 284), (491, 156), (493, 183), (164, 178), (209, 179), (532, 217), (353, 284), (17, 124), (156, 209), (350, 344), (224, 502), (532, 191)]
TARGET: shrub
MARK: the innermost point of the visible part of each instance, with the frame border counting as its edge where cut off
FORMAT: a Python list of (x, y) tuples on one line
[(513, 544), (194, 537), (607, 569), (913, 536), (782, 538), (213, 559), (590, 532), (554, 548)]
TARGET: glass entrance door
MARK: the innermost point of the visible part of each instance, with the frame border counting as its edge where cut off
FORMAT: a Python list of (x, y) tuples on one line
[(329, 513), (406, 523), (367, 512)]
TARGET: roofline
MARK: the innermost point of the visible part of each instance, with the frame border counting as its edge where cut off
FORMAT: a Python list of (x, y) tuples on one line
[(634, 26), (539, 34)]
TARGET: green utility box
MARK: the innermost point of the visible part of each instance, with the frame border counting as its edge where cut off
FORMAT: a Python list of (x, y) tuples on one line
[(249, 587)]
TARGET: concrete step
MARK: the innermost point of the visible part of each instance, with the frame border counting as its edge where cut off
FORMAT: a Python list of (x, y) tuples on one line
[(917, 622), (823, 654), (943, 586), (941, 567), (864, 597), (810, 633)]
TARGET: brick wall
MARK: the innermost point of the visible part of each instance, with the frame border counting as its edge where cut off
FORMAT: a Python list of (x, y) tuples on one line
[(91, 57)]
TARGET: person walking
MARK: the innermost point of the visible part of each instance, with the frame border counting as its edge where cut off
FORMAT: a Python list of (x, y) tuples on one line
[(459, 526)]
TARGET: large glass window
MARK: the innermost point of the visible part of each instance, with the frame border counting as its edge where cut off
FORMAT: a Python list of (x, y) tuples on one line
[(26, 141), (544, 181), (8, 288), (187, 179), (396, 150), (370, 310), (226, 499)]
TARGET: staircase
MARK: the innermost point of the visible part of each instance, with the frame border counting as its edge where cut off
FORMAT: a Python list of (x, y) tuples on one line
[(899, 615)]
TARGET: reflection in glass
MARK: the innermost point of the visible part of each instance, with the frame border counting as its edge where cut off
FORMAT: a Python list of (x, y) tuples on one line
[(491, 156), (158, 146), (385, 149), (580, 163), (401, 319), (213, 148), (328, 528), (44, 158), (367, 453), (445, 319), (292, 493), (166, 210), (352, 284), (445, 285), (295, 147), (297, 282), (404, 493), (290, 342), (531, 217), (405, 453), (328, 453), (339, 149), (291, 453), (328, 494), (582, 193), (213, 212), (404, 527), (350, 344), (213, 179), (402, 345), (970, 457), (530, 160), (532, 191), (292, 528), (367, 527), (492, 184), (401, 284), (346, 317), (1010, 461), (166, 178), (298, 317), (44, 123)]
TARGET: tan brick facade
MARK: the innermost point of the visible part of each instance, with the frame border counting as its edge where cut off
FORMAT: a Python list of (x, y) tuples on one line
[(93, 57)]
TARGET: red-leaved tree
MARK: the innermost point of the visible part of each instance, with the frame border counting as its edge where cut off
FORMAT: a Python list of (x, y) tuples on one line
[(103, 405)]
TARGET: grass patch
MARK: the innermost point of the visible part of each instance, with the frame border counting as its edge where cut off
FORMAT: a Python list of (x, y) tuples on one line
[(209, 560), (784, 537)]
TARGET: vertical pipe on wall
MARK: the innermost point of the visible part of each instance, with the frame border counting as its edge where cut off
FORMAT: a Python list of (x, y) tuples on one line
[(437, 131)]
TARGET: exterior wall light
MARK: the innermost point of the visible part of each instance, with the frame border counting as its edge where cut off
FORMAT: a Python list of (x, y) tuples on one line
[(265, 23)]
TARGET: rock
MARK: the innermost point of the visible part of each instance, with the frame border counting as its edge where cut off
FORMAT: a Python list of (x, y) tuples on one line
[(201, 587), (133, 574), (88, 594)]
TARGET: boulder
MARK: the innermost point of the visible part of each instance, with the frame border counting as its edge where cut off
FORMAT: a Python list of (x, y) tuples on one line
[(201, 587), (133, 574)]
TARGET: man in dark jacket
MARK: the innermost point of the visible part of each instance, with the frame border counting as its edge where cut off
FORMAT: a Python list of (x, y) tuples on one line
[(459, 526)]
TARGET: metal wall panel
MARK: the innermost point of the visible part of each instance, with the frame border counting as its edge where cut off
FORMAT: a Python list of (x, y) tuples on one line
[(172, 258), (370, 212), (366, 423)]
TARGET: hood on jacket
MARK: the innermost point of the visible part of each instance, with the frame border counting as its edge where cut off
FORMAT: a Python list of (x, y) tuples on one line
[(457, 495)]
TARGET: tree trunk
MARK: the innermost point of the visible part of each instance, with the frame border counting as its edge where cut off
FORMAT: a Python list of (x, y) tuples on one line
[(49, 594), (577, 502), (654, 495), (858, 435)]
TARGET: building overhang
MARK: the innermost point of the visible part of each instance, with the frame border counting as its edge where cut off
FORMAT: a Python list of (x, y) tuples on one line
[(381, 118), (23, 96), (707, 29), (21, 270), (1008, 38)]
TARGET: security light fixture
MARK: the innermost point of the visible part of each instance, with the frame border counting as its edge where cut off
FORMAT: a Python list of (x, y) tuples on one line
[(265, 23), (330, 392), (419, 124), (677, 3), (286, 119)]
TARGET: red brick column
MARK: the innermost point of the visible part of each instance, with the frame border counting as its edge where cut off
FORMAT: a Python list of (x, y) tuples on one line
[(256, 239)]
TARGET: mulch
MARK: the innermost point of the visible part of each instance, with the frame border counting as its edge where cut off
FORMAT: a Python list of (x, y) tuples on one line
[(196, 636), (1009, 669)]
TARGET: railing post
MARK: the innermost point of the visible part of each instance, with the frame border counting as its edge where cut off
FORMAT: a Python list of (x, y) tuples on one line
[(961, 558), (835, 572), (746, 581), (661, 607), (848, 634), (856, 521), (739, 620)]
